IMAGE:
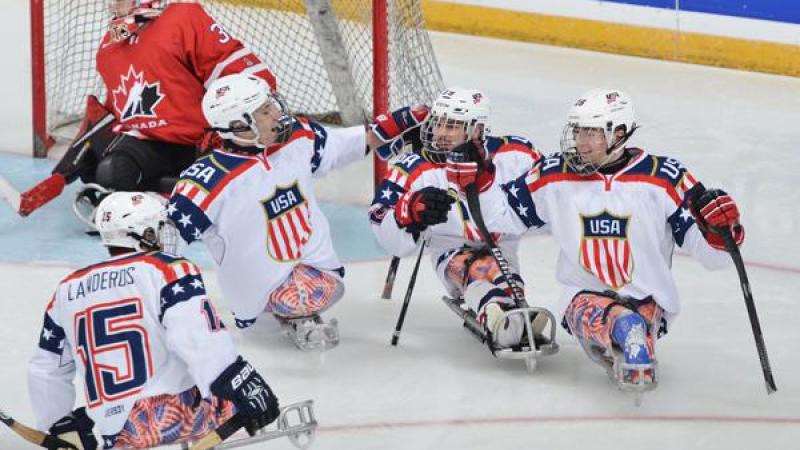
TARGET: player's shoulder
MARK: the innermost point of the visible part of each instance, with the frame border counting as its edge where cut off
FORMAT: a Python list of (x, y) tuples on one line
[(659, 168), (555, 164), (182, 11), (171, 266), (410, 163), (117, 262), (210, 170), (509, 143)]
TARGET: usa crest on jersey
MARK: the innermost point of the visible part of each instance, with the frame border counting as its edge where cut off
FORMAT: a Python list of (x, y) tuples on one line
[(605, 248), (288, 225)]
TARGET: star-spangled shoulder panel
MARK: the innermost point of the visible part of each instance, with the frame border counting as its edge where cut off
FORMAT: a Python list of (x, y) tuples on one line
[(186, 285), (520, 199), (665, 172), (198, 186), (189, 218), (209, 171), (500, 144)]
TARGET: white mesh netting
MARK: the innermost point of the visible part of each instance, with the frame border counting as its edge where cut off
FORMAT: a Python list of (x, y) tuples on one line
[(302, 53)]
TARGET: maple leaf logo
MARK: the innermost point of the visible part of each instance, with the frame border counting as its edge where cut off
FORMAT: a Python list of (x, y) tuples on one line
[(135, 97)]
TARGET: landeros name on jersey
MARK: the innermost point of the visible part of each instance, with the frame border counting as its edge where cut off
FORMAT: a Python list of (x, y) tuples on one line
[(136, 98)]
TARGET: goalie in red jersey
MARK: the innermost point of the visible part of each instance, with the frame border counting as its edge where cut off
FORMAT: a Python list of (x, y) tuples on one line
[(156, 60)]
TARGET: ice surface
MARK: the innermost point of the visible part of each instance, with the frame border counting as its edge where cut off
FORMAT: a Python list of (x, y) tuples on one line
[(440, 389)]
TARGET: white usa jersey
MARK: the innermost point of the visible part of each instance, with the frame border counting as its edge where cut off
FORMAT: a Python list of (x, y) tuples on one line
[(615, 232), (131, 327), (512, 157), (257, 214)]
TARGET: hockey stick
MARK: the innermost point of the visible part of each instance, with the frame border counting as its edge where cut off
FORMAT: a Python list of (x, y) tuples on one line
[(473, 204), (65, 172), (390, 276), (411, 282), (733, 250), (35, 436), (9, 194), (223, 432)]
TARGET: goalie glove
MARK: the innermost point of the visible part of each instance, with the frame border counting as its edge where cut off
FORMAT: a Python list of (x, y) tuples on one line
[(244, 387)]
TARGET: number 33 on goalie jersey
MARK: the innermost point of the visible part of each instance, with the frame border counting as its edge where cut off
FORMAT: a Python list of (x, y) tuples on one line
[(257, 214), (133, 326)]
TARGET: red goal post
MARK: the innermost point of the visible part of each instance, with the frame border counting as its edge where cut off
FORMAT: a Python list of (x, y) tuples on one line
[(341, 61)]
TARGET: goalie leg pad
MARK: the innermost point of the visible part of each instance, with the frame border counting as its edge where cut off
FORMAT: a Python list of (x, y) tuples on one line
[(189, 417), (307, 291), (119, 172), (136, 164)]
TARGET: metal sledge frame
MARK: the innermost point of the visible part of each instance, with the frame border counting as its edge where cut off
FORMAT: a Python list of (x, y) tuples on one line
[(529, 352), (300, 434)]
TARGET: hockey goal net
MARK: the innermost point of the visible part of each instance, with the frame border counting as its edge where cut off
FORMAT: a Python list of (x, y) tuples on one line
[(338, 60)]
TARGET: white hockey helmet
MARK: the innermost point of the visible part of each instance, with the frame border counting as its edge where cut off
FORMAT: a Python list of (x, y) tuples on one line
[(607, 109), (131, 220), (455, 106), (229, 106), (127, 16)]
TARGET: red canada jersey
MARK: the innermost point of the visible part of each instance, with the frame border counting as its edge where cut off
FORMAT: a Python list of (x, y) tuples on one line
[(155, 80)]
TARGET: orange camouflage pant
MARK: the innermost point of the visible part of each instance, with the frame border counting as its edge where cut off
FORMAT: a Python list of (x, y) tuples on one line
[(168, 419), (474, 270), (591, 316)]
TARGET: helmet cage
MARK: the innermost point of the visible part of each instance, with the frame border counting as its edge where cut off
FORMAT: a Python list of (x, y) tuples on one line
[(128, 16), (458, 114), (436, 147), (603, 109), (573, 158)]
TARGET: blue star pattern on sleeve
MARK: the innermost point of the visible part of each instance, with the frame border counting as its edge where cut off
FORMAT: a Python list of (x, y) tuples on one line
[(52, 337), (386, 197), (181, 290), (190, 220), (680, 221), (320, 138), (519, 198)]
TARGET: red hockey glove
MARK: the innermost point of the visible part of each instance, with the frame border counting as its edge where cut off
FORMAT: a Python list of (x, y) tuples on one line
[(715, 210), (391, 126), (416, 210), (400, 128), (470, 163)]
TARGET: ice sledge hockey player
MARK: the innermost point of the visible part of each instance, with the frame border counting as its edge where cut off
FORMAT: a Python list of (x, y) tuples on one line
[(251, 202), (156, 364), (422, 197), (617, 213)]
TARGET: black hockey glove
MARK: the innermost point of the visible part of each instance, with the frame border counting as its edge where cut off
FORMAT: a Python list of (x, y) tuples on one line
[(416, 210), (254, 400), (79, 423)]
